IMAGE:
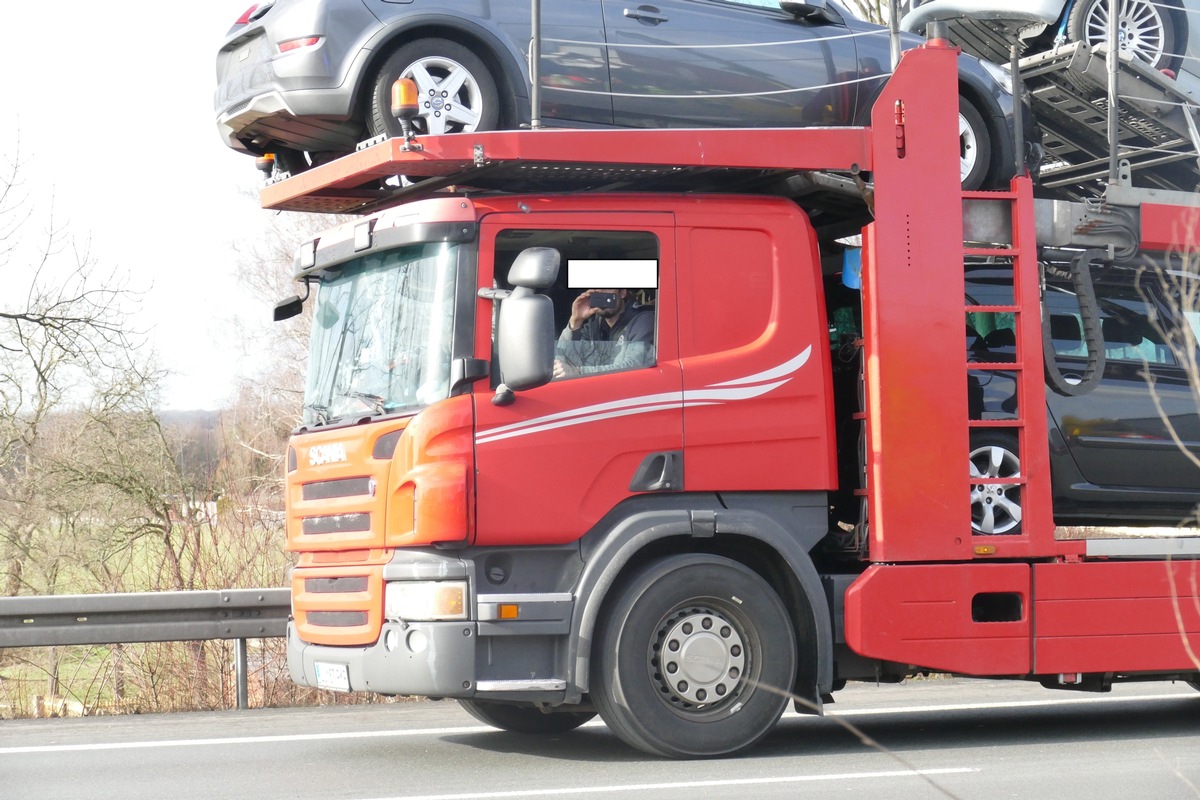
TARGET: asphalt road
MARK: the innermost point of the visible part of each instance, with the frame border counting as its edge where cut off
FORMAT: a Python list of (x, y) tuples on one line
[(932, 739)]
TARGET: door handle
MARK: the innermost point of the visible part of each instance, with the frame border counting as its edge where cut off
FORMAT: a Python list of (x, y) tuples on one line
[(648, 14), (659, 472)]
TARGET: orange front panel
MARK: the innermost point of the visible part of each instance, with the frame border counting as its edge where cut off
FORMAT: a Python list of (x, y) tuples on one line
[(335, 497), (1117, 616), (925, 615), (429, 497), (338, 605)]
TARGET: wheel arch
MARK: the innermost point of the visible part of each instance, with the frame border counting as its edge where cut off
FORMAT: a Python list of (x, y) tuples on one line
[(506, 64), (748, 536)]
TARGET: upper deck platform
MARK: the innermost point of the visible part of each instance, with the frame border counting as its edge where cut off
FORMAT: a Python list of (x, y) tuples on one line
[(767, 161)]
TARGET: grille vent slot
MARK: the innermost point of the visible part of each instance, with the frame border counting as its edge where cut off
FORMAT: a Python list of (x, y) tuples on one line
[(335, 585), (345, 487), (337, 523), (337, 619)]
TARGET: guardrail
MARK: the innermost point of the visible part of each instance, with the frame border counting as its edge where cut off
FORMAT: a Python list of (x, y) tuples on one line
[(237, 614)]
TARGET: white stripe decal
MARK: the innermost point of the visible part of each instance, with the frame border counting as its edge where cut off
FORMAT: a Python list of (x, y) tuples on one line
[(785, 368), (745, 388)]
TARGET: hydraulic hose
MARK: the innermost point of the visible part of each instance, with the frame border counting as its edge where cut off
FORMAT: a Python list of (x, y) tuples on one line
[(1093, 336)]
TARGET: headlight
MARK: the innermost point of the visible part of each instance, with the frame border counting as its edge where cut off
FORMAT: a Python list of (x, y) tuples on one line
[(425, 600), (1001, 74)]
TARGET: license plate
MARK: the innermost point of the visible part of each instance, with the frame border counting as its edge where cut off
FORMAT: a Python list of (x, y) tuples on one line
[(332, 676)]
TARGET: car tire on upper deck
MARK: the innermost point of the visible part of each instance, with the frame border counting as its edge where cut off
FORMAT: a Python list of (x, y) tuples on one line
[(457, 93), (974, 147), (1155, 31)]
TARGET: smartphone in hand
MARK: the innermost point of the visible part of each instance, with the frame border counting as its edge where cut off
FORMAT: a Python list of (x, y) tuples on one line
[(602, 300)]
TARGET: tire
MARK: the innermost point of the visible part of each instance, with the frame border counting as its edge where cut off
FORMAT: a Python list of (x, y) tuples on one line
[(457, 93), (1153, 30), (975, 146), (524, 718), (740, 651), (995, 508)]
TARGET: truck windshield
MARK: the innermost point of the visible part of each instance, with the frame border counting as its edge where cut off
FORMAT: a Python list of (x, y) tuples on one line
[(381, 334)]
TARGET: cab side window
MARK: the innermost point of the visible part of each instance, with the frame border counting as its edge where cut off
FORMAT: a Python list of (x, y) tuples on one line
[(604, 298)]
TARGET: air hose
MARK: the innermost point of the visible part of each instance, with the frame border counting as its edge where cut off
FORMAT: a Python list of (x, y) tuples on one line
[(1080, 274)]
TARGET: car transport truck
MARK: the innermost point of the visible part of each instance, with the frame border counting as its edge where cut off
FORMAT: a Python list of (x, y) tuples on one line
[(810, 475)]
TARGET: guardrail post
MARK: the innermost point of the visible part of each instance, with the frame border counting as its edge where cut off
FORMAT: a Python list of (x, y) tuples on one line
[(240, 667)]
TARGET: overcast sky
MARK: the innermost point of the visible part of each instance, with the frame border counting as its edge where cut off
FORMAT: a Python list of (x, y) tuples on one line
[(113, 105)]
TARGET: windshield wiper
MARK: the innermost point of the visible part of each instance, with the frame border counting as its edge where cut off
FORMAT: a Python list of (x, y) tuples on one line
[(322, 412), (373, 400)]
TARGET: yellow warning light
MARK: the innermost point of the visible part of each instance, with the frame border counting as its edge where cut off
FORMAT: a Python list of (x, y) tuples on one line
[(404, 98), (509, 611), (985, 549)]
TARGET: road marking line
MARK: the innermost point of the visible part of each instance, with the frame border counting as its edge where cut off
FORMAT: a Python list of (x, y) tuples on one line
[(307, 737), (658, 787)]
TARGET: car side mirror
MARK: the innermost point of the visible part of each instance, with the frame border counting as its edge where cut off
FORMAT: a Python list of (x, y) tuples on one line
[(813, 10)]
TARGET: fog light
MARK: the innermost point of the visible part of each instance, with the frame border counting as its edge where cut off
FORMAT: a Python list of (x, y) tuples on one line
[(418, 642), (391, 639)]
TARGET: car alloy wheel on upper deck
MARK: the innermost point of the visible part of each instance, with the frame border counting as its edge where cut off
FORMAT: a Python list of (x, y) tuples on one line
[(1147, 29), (456, 93)]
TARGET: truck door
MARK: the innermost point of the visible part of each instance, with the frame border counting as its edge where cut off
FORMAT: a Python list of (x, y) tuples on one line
[(726, 63), (561, 456)]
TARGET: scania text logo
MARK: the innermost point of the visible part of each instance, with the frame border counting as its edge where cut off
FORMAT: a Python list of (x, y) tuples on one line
[(326, 454)]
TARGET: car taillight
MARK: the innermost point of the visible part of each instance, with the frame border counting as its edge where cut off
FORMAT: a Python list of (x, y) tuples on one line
[(296, 44), (254, 12)]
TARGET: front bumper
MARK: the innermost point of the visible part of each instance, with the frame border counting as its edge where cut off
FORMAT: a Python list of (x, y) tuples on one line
[(443, 667)]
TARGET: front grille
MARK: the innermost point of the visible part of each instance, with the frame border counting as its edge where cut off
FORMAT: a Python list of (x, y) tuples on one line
[(337, 523), (346, 487), (335, 585), (337, 619)]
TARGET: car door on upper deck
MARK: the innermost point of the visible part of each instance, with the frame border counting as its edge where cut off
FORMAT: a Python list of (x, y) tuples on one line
[(573, 66), (727, 63)]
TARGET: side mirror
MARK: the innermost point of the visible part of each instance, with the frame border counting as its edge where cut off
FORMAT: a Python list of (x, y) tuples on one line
[(526, 339), (535, 268), (291, 306), (814, 10), (286, 309)]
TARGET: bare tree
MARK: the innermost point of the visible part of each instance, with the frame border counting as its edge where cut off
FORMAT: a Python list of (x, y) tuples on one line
[(62, 320)]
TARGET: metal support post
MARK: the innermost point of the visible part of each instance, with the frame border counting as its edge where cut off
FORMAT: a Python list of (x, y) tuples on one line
[(535, 61), (1114, 24), (240, 669)]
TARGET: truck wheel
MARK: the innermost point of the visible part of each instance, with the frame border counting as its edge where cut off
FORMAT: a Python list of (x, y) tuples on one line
[(524, 718), (456, 92), (995, 508), (1154, 31), (974, 146), (694, 658)]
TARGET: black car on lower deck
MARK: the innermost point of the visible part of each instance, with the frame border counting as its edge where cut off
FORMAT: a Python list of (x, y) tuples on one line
[(1124, 452)]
